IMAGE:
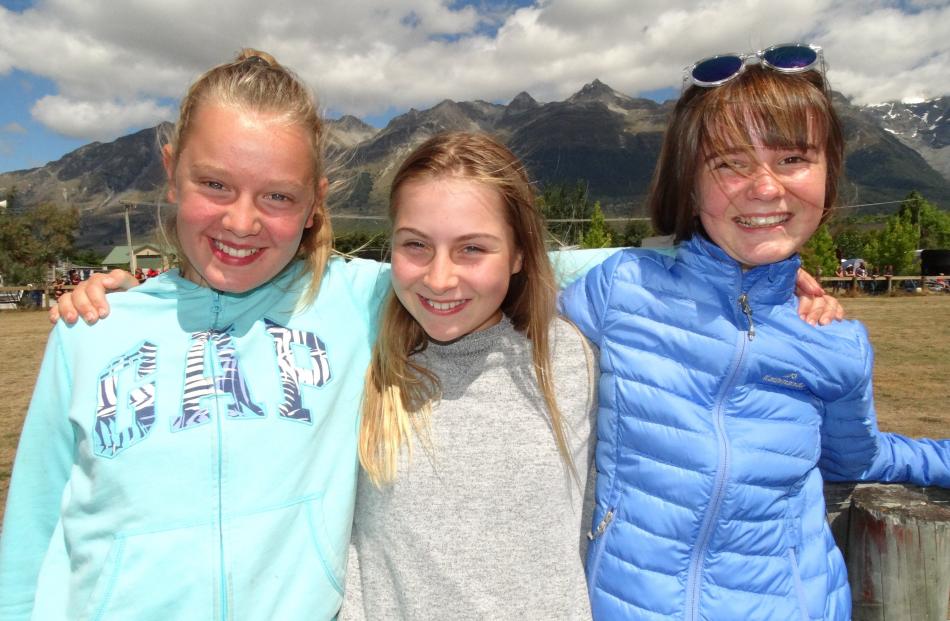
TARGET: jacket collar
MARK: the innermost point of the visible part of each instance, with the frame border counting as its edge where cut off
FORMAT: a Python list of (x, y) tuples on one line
[(773, 283), (202, 308)]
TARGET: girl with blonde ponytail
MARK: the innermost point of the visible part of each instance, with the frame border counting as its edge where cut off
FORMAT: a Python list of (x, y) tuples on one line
[(194, 457)]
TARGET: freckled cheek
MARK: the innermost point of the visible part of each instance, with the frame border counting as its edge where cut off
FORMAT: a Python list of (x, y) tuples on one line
[(403, 274), (714, 198), (190, 222), (495, 286), (284, 229), (198, 213)]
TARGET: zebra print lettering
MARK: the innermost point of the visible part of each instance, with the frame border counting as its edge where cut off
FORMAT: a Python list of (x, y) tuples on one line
[(109, 436), (293, 376), (201, 385)]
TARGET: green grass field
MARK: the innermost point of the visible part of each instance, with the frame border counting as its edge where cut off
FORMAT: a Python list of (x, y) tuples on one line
[(911, 337)]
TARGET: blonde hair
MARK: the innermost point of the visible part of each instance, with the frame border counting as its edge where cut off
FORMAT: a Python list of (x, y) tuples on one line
[(399, 392), (255, 81)]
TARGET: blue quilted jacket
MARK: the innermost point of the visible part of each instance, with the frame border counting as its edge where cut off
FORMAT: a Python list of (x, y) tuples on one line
[(720, 412)]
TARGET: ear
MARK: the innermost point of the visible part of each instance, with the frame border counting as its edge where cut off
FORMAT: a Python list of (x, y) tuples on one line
[(318, 201), (518, 263), (168, 162)]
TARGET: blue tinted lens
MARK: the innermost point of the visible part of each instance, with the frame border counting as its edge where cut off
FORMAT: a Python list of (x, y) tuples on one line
[(790, 57), (717, 69)]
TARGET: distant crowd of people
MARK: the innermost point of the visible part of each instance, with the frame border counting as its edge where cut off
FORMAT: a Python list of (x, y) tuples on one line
[(75, 276)]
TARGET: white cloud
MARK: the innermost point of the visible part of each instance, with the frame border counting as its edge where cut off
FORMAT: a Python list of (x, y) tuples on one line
[(112, 61), (97, 120)]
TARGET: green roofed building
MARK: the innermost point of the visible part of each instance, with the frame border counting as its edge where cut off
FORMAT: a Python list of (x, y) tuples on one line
[(147, 256)]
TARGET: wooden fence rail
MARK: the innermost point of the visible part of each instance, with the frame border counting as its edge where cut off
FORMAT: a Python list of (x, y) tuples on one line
[(11, 297), (851, 283), (896, 544)]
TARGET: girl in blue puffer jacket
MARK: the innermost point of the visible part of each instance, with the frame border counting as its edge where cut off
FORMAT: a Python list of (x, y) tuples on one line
[(721, 412)]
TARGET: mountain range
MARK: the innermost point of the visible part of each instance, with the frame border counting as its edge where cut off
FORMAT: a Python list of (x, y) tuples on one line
[(598, 136)]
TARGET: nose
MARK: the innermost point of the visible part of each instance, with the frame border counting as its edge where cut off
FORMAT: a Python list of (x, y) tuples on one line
[(765, 185), (242, 217), (440, 275)]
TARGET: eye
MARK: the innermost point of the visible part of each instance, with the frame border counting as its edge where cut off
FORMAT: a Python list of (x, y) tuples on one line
[(727, 167), (413, 245), (796, 158), (214, 185), (472, 249), (278, 197)]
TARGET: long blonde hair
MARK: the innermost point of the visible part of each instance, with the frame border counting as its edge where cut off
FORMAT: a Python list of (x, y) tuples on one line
[(255, 81), (399, 391)]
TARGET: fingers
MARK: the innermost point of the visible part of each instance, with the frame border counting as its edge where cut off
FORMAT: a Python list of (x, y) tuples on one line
[(64, 309), (805, 284), (834, 311), (53, 314), (88, 299), (806, 306), (820, 311)]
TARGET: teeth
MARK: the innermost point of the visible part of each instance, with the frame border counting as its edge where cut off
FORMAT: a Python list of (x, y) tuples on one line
[(238, 253), (760, 221), (443, 306)]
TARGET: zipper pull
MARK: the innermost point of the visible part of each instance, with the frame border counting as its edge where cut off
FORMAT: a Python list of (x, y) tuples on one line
[(591, 535), (747, 310), (215, 308)]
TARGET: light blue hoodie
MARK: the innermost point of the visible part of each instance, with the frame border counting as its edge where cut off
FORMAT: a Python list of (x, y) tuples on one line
[(193, 457)]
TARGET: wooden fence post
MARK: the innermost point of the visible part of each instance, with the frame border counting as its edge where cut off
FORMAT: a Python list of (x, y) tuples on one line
[(897, 549)]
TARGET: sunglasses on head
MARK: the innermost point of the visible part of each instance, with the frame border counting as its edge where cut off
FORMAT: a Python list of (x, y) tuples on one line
[(784, 58)]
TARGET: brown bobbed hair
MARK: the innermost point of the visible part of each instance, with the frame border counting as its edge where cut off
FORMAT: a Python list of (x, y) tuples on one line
[(254, 81), (399, 391), (780, 110)]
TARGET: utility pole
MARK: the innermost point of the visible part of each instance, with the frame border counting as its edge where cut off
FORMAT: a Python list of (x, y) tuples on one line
[(128, 237), (133, 261)]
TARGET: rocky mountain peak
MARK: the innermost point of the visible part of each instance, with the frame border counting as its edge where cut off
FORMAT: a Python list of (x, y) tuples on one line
[(598, 92), (595, 91), (924, 126), (348, 131), (522, 101)]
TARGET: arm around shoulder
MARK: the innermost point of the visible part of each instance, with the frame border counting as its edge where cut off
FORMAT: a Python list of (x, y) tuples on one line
[(585, 301)]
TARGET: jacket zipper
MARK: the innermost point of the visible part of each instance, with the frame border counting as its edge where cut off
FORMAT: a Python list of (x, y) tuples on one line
[(223, 577), (694, 582), (593, 567), (747, 311), (597, 532)]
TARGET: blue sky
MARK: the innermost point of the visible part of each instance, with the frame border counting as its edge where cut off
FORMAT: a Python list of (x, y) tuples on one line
[(76, 71)]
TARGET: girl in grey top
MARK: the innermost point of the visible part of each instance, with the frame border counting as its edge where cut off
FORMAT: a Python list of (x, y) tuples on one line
[(476, 431)]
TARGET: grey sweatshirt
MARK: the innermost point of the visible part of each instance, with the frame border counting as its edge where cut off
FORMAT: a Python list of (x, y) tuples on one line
[(491, 524)]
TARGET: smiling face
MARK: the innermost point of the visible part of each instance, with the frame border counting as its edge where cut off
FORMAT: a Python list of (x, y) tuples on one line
[(245, 191), (761, 205), (453, 255)]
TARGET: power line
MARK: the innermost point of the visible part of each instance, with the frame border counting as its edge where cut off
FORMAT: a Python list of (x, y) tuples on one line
[(869, 204)]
